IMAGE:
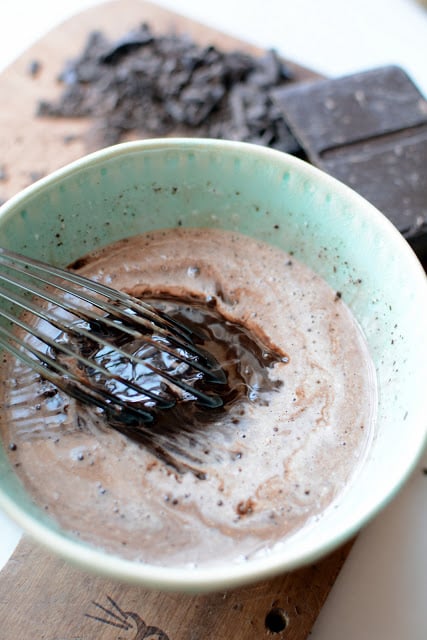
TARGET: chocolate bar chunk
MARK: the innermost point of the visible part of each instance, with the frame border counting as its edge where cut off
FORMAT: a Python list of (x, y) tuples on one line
[(369, 130)]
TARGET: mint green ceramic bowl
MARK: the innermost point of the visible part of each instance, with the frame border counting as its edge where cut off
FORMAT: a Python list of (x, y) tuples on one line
[(138, 186)]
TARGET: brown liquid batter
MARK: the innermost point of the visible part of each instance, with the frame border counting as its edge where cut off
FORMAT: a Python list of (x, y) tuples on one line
[(248, 476)]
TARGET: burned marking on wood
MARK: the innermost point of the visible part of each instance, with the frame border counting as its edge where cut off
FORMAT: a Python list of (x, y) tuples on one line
[(129, 621)]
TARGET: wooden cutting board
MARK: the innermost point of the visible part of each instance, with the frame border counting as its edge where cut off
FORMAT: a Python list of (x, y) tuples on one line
[(41, 596)]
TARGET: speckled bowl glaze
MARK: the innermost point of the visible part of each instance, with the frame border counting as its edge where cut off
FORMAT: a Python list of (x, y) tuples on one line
[(140, 186)]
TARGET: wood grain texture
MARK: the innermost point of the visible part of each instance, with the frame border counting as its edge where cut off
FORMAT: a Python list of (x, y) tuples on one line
[(41, 596)]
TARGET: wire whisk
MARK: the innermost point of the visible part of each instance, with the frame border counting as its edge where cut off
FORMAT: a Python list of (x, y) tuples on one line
[(102, 346)]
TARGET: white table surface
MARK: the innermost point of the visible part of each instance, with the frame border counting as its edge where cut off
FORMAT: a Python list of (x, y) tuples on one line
[(381, 593)]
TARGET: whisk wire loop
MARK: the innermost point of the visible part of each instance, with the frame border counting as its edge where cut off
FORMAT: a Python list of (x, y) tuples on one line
[(96, 325)]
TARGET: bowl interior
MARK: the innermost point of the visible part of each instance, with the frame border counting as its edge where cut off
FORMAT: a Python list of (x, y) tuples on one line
[(136, 187)]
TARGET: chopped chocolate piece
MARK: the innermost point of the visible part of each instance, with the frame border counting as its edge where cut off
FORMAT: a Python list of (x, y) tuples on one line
[(36, 175), (34, 68), (69, 138), (270, 71), (158, 85), (128, 43), (369, 130)]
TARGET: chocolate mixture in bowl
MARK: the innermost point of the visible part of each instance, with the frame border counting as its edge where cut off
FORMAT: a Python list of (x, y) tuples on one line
[(297, 415)]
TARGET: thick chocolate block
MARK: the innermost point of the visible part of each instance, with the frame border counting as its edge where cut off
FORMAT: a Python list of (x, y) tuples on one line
[(370, 131)]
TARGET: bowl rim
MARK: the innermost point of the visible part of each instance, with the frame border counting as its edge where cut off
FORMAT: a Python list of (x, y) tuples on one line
[(224, 575)]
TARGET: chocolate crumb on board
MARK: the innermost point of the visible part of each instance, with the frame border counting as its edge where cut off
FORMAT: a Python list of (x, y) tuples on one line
[(36, 175), (34, 68), (148, 84), (369, 130)]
